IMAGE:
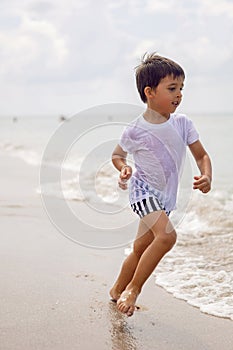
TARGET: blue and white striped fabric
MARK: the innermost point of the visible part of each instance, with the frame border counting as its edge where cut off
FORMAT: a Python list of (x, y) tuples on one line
[(147, 206), (144, 199)]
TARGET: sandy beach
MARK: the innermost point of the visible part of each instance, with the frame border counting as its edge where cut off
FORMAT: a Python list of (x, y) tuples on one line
[(54, 293)]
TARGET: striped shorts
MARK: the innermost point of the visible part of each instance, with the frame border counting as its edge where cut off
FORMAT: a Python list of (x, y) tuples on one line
[(148, 205)]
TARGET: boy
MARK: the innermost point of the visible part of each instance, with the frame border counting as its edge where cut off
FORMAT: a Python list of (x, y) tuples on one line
[(157, 140)]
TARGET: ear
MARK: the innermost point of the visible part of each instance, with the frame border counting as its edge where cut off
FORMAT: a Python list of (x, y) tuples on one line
[(149, 92)]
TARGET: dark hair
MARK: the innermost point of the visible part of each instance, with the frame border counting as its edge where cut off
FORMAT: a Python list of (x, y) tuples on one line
[(153, 69)]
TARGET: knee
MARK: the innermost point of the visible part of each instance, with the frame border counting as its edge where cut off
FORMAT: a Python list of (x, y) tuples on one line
[(168, 239), (139, 247)]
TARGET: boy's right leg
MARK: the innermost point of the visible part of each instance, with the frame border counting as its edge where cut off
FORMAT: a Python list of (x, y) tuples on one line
[(143, 239)]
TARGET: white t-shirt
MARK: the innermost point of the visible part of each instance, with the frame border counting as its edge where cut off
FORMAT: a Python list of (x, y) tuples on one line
[(159, 153)]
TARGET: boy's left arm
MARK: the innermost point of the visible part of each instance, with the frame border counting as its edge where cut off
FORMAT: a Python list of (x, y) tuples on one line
[(203, 181)]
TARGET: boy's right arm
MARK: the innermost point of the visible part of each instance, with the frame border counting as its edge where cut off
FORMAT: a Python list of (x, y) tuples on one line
[(119, 161)]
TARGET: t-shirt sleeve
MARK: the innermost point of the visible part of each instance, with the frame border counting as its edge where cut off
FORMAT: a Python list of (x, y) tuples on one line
[(191, 132), (127, 140)]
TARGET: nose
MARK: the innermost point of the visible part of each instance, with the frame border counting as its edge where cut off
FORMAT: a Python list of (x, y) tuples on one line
[(179, 94)]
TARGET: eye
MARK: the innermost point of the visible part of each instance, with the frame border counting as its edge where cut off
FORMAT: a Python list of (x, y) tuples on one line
[(171, 89)]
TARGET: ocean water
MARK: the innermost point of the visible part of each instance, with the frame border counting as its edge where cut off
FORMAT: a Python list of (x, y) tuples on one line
[(199, 269)]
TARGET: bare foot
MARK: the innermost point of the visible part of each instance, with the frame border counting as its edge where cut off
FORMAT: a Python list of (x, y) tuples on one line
[(114, 294), (126, 302)]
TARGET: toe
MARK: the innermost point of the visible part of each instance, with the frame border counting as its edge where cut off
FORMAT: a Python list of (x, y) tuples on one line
[(122, 308), (130, 311)]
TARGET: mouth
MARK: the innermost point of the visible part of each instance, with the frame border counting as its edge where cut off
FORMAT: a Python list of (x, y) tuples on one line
[(175, 103)]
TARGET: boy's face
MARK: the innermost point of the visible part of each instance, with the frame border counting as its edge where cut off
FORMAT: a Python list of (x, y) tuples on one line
[(166, 97)]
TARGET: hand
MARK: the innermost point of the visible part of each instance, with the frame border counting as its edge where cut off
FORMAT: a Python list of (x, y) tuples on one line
[(125, 174), (202, 183)]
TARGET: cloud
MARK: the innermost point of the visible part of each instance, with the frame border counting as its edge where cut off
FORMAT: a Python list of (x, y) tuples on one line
[(61, 42), (217, 8), (32, 47), (89, 48), (160, 6), (205, 8)]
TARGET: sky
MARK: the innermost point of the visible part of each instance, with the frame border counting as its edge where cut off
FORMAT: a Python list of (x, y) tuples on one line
[(64, 56)]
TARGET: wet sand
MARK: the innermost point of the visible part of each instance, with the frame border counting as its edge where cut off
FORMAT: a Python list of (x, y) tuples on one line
[(54, 293)]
